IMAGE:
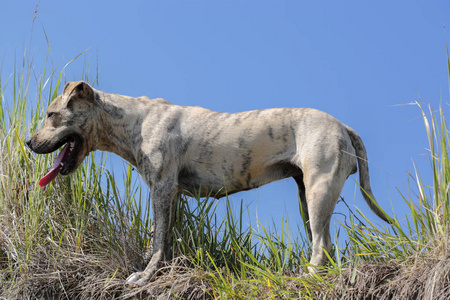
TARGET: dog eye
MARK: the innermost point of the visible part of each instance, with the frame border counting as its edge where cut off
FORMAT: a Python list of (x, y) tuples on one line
[(49, 115)]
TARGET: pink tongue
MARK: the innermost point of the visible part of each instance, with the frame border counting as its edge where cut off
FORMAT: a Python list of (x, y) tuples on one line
[(57, 166)]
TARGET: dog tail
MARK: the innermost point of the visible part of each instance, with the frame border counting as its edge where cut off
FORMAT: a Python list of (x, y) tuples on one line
[(364, 180)]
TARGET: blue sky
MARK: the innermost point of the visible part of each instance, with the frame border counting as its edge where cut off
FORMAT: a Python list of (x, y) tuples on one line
[(357, 60)]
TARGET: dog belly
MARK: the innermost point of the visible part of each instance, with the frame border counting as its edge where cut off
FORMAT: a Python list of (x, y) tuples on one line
[(217, 185)]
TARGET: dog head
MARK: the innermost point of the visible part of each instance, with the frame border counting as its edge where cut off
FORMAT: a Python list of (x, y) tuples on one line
[(69, 123)]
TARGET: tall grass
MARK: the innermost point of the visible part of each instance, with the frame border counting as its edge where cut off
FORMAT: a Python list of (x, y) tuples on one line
[(82, 235)]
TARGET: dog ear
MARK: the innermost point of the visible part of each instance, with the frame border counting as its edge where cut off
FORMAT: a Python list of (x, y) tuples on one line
[(79, 89)]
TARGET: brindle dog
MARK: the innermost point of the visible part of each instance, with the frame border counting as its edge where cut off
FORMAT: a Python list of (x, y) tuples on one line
[(179, 149)]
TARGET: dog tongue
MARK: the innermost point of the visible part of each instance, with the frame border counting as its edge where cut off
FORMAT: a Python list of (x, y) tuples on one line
[(63, 156)]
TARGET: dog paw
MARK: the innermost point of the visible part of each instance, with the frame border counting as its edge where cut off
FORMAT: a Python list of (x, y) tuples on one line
[(317, 271), (140, 278), (135, 279), (313, 270)]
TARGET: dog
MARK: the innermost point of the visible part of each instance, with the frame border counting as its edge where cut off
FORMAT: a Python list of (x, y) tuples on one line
[(183, 149)]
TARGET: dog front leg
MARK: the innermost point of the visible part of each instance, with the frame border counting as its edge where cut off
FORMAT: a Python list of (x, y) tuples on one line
[(163, 202)]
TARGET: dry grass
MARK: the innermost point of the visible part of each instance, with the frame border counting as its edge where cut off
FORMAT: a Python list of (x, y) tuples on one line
[(65, 270), (79, 275), (424, 277)]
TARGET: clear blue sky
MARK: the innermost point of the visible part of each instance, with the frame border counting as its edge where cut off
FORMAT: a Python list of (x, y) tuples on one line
[(356, 60)]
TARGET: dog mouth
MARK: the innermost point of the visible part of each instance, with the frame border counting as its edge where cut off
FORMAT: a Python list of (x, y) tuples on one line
[(65, 162)]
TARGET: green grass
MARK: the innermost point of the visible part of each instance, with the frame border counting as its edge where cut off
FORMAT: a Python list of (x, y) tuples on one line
[(81, 236)]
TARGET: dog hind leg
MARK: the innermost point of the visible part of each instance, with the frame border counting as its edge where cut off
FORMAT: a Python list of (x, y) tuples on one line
[(322, 195)]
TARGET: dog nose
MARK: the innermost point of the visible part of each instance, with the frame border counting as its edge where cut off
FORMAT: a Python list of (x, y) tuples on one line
[(28, 142)]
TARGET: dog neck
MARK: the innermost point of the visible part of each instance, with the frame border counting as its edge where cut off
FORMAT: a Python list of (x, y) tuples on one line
[(121, 118)]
